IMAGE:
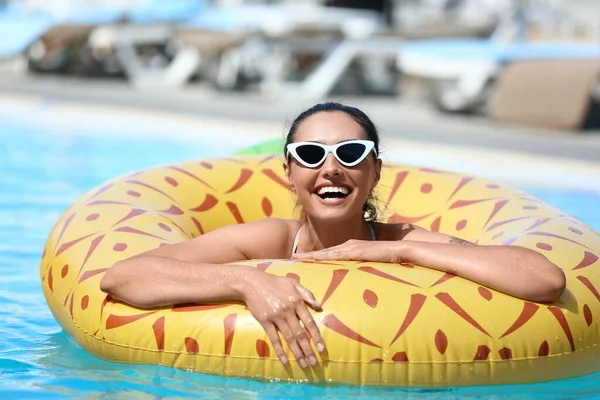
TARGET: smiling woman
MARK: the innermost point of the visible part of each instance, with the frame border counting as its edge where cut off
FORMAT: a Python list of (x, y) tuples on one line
[(182, 284)]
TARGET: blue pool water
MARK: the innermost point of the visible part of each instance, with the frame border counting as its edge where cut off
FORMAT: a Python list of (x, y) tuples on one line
[(41, 173)]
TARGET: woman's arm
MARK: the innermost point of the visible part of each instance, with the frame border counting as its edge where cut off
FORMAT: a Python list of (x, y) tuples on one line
[(192, 272), (514, 270), (148, 281)]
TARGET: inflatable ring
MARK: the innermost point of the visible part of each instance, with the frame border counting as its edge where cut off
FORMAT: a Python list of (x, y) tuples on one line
[(383, 323)]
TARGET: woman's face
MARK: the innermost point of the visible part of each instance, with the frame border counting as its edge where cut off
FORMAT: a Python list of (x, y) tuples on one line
[(332, 191)]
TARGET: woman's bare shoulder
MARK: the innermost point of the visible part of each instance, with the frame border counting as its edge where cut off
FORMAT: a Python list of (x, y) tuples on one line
[(268, 238), (265, 238)]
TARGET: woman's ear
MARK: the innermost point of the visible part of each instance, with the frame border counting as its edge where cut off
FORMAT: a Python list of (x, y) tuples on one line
[(378, 165), (288, 177)]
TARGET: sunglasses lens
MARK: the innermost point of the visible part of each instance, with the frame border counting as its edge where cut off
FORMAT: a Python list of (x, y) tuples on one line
[(351, 152), (310, 154)]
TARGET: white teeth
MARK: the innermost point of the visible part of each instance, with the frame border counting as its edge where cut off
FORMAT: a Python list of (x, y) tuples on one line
[(333, 189)]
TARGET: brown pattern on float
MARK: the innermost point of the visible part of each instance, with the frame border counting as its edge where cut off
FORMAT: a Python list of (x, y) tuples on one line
[(587, 314), (529, 310), (564, 324), (448, 301), (229, 328), (245, 175), (93, 245), (446, 277), (152, 188), (159, 333), (267, 207), (332, 322), (482, 353), (400, 177), (115, 321), (381, 274), (416, 303), (370, 298), (209, 202), (262, 349), (189, 174), (485, 293), (336, 280), (588, 259), (235, 212), (544, 349), (275, 177), (191, 345), (505, 353), (400, 357), (441, 341), (588, 284)]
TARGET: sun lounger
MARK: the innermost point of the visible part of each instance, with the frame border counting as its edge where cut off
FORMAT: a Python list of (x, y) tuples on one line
[(262, 38), (557, 94), (60, 47), (466, 66)]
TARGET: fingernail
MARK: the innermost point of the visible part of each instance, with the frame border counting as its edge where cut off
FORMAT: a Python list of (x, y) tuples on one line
[(283, 360), (321, 347), (303, 363), (312, 360)]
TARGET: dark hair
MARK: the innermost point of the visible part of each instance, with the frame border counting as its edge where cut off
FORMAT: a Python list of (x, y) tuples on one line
[(369, 209)]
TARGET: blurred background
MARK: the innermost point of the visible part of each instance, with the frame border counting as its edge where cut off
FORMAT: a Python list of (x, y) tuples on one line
[(507, 59)]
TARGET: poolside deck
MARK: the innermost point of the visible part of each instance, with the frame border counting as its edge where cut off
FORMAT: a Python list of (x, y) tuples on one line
[(412, 131)]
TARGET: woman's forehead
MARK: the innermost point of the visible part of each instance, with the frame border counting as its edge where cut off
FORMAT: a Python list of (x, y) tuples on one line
[(329, 128)]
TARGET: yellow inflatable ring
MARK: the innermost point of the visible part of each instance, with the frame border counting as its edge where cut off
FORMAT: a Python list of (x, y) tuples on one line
[(382, 323)]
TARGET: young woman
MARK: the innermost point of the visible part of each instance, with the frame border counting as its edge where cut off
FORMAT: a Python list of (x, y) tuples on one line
[(332, 166)]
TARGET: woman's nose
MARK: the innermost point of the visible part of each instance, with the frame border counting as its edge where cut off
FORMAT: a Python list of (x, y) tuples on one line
[(331, 166)]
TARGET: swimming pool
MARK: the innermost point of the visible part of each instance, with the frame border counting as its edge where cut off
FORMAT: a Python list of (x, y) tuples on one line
[(42, 170)]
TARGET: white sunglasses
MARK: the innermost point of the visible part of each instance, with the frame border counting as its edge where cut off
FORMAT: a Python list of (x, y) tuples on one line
[(349, 153)]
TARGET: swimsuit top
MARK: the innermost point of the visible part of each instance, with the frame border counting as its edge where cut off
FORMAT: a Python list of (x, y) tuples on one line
[(297, 238)]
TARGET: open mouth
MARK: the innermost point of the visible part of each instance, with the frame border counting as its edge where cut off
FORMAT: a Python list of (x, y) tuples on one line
[(333, 193)]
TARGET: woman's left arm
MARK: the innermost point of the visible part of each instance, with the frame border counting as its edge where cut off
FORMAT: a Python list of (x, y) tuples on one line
[(514, 270)]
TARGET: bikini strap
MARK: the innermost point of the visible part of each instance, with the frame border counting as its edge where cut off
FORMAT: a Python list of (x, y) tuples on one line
[(296, 241), (297, 238), (373, 237)]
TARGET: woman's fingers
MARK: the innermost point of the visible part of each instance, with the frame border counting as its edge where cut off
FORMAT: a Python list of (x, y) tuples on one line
[(312, 328), (302, 339), (286, 313), (289, 334), (308, 296), (274, 337)]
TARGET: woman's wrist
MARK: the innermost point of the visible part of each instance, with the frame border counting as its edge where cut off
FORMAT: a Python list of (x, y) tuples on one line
[(243, 281)]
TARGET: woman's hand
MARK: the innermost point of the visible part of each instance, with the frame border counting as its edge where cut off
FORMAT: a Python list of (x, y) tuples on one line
[(358, 250), (278, 304)]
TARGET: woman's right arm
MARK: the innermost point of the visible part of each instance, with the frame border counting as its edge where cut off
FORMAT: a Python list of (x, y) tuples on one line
[(149, 281), (193, 272)]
